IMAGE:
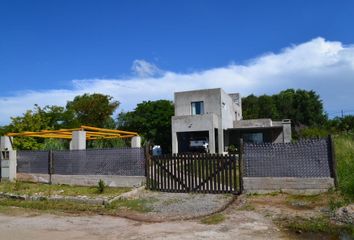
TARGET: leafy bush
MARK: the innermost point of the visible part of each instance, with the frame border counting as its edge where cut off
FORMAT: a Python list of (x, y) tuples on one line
[(313, 133), (232, 149)]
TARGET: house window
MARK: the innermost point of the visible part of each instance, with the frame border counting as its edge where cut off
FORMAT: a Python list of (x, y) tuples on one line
[(255, 138), (197, 108)]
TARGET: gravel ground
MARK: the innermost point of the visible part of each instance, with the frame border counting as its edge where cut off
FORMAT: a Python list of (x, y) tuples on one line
[(184, 205)]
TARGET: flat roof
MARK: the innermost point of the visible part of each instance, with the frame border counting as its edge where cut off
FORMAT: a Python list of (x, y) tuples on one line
[(248, 128)]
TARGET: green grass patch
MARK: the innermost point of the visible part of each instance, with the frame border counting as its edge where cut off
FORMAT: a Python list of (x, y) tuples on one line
[(316, 225), (28, 188), (305, 198), (51, 206), (271, 194), (138, 205), (303, 201), (213, 219), (344, 147), (247, 207)]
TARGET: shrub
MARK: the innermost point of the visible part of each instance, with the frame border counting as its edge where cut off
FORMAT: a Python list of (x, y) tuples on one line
[(101, 186), (232, 149), (313, 133)]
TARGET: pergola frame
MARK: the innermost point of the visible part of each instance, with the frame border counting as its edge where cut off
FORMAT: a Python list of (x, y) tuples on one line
[(92, 133)]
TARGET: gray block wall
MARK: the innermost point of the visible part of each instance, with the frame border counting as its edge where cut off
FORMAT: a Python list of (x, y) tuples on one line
[(304, 167)]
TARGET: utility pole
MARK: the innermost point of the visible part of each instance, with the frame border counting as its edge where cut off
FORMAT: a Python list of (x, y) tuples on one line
[(342, 113)]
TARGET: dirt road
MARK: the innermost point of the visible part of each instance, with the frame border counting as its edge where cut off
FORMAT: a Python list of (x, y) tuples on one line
[(239, 225)]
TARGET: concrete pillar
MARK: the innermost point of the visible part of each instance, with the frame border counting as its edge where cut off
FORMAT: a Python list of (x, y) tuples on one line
[(5, 143), (174, 142), (78, 141), (286, 130), (221, 140), (211, 140), (8, 165), (136, 142)]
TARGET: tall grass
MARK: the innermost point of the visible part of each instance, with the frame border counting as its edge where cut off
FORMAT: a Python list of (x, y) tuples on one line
[(344, 146)]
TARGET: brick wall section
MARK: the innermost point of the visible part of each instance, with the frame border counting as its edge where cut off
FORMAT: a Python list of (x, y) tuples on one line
[(303, 159)]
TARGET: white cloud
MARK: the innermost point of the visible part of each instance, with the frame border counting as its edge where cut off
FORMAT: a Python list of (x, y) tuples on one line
[(143, 68), (324, 66)]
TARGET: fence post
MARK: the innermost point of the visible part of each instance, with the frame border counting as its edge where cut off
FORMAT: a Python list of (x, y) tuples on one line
[(147, 162), (241, 165), (332, 160), (50, 165)]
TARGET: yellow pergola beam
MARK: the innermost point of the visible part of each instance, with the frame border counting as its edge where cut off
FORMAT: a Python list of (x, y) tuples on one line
[(50, 136), (108, 130), (102, 134), (61, 131), (92, 133)]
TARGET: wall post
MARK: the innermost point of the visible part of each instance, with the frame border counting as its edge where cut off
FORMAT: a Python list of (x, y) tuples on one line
[(211, 140), (8, 165), (78, 141), (6, 143), (332, 158), (50, 165), (240, 155), (136, 142)]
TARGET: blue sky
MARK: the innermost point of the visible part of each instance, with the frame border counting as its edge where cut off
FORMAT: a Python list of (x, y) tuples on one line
[(51, 51)]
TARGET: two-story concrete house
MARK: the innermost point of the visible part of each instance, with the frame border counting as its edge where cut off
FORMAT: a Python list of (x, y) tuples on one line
[(217, 116)]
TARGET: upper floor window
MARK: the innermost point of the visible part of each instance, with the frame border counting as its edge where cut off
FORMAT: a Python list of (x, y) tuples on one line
[(197, 108)]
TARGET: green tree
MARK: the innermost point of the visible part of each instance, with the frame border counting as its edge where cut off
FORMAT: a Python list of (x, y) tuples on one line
[(303, 107), (308, 109), (31, 120), (92, 109), (250, 107), (284, 103), (267, 107), (59, 117), (152, 120)]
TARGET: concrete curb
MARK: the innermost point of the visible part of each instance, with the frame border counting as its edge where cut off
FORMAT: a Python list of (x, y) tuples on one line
[(127, 195), (81, 199)]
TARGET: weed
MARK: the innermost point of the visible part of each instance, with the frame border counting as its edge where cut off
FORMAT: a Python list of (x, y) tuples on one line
[(101, 186), (17, 186), (213, 219), (335, 201)]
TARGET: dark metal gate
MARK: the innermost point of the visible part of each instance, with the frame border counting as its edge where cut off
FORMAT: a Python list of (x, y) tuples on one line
[(202, 173)]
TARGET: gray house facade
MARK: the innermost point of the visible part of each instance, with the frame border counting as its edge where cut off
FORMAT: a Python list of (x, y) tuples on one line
[(215, 115)]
